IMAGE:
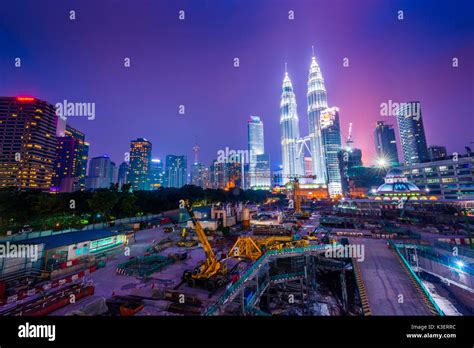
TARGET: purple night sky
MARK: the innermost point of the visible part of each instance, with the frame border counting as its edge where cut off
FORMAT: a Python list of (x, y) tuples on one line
[(191, 63)]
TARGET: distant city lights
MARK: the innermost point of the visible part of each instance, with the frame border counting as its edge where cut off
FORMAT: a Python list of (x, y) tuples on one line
[(25, 99)]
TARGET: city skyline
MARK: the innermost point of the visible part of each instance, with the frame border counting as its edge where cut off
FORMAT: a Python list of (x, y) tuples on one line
[(230, 158), (216, 113)]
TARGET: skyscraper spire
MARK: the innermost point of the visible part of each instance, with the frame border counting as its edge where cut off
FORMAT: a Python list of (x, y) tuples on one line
[(289, 128), (196, 149)]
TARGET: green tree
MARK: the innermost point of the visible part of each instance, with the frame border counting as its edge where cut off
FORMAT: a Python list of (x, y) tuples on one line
[(102, 202)]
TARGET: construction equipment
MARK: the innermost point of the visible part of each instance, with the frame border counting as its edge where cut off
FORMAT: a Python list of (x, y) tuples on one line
[(187, 243), (184, 242), (210, 274), (158, 246), (168, 229), (271, 230), (310, 236), (296, 190), (294, 180), (254, 247)]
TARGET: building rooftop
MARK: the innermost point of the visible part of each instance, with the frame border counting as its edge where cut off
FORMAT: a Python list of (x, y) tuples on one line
[(64, 239), (396, 183)]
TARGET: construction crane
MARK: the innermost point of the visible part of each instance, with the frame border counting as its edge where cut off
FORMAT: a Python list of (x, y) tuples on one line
[(210, 273), (254, 247), (295, 180)]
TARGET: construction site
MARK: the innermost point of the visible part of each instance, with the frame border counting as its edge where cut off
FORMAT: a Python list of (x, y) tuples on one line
[(227, 260)]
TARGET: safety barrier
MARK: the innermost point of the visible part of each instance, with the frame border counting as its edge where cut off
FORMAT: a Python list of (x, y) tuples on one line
[(360, 286), (428, 299)]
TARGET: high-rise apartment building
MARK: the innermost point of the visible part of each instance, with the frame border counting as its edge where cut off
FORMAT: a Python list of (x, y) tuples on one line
[(140, 162), (27, 143), (412, 133)]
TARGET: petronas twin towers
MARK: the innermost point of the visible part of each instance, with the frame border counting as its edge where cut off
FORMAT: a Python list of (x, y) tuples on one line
[(292, 143)]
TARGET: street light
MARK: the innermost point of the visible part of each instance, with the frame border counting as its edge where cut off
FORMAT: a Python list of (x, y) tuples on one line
[(382, 162)]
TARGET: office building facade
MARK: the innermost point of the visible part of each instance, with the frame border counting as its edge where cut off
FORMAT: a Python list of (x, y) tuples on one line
[(447, 179), (176, 171), (259, 163), (70, 165), (292, 160), (157, 174), (101, 173), (317, 102), (331, 141), (386, 144)]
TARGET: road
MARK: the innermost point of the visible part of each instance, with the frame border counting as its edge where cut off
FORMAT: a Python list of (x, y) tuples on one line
[(389, 289)]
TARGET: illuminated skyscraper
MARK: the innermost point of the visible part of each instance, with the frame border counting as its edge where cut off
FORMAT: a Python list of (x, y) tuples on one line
[(140, 161), (101, 173), (331, 141), (290, 133), (27, 142), (123, 173), (412, 133), (218, 174), (71, 161), (156, 173), (385, 144), (259, 163), (317, 101), (176, 169), (262, 173)]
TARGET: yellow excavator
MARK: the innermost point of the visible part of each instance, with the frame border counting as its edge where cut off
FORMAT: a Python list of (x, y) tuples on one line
[(184, 242), (211, 273)]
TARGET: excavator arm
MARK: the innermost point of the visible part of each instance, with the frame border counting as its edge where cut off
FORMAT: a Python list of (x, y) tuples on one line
[(201, 235)]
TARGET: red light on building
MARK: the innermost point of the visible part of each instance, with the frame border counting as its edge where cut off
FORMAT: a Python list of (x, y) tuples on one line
[(25, 99)]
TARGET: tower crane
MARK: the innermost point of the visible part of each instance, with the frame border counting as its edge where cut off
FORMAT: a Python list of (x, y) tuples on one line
[(210, 273), (296, 189)]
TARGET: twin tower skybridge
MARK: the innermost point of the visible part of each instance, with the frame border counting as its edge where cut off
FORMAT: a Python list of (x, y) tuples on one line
[(302, 143)]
